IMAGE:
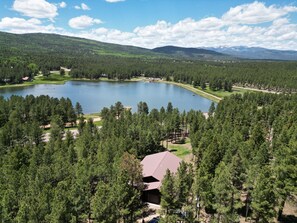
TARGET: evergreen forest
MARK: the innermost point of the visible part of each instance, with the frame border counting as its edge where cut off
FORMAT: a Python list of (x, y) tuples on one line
[(244, 161)]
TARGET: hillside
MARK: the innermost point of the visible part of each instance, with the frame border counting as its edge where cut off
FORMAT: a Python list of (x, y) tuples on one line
[(193, 53), (38, 43)]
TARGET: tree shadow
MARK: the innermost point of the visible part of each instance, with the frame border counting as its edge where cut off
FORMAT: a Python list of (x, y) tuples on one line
[(288, 219)]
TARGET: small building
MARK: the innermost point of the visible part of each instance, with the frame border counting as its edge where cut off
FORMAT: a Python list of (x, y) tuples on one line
[(65, 69), (25, 78), (154, 170)]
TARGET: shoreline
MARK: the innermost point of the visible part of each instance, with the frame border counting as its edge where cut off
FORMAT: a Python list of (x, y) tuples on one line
[(194, 90), (188, 87), (61, 82)]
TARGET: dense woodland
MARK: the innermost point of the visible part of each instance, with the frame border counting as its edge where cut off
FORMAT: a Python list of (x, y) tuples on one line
[(260, 74), (245, 160), (266, 75)]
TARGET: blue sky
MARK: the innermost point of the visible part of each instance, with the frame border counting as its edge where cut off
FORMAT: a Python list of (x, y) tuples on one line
[(152, 23)]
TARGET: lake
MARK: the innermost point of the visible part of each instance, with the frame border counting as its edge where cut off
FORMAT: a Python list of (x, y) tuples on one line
[(93, 96)]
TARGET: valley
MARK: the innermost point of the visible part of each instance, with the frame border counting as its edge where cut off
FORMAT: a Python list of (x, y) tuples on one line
[(230, 120)]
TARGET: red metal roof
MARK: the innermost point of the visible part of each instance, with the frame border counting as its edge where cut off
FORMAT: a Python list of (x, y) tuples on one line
[(155, 165)]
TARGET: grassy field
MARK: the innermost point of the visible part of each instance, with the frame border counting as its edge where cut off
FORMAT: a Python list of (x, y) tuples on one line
[(92, 115), (53, 78), (96, 117), (183, 151), (215, 96), (179, 150), (222, 93)]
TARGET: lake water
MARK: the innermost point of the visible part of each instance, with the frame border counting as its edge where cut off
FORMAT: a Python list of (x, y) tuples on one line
[(93, 96)]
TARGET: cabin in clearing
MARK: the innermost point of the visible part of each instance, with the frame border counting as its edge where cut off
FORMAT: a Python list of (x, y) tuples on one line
[(154, 170)]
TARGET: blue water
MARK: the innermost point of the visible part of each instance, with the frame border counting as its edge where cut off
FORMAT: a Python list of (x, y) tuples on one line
[(93, 96)]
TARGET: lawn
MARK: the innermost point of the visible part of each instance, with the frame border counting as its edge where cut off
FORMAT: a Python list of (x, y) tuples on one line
[(215, 96), (92, 115), (223, 93), (53, 78), (179, 150), (98, 123)]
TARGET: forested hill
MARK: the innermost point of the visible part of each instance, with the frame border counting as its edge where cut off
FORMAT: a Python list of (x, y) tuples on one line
[(20, 45), (193, 53), (39, 43)]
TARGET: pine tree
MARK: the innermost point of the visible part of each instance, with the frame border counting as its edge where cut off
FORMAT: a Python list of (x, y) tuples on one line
[(78, 109), (142, 108), (212, 109), (23, 212), (169, 108), (131, 173), (57, 128), (264, 197), (103, 206), (61, 205), (224, 194), (183, 184), (286, 172), (168, 192)]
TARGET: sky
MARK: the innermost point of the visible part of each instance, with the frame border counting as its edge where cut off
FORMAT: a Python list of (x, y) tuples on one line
[(153, 23)]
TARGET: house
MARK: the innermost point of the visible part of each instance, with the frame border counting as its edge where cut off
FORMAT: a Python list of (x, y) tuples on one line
[(154, 170)]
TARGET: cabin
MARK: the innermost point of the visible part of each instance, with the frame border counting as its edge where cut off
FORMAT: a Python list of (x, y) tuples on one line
[(154, 170)]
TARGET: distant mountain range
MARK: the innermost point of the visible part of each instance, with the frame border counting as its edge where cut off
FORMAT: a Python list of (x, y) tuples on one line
[(241, 52), (256, 53), (15, 45)]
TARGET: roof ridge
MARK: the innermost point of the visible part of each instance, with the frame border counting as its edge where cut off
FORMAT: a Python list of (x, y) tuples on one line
[(165, 154)]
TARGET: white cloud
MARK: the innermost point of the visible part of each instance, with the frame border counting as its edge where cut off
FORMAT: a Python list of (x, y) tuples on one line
[(103, 34), (83, 22), (280, 22), (242, 25), (62, 5), (256, 13), (113, 1), (20, 25), (82, 6), (254, 24), (36, 8)]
